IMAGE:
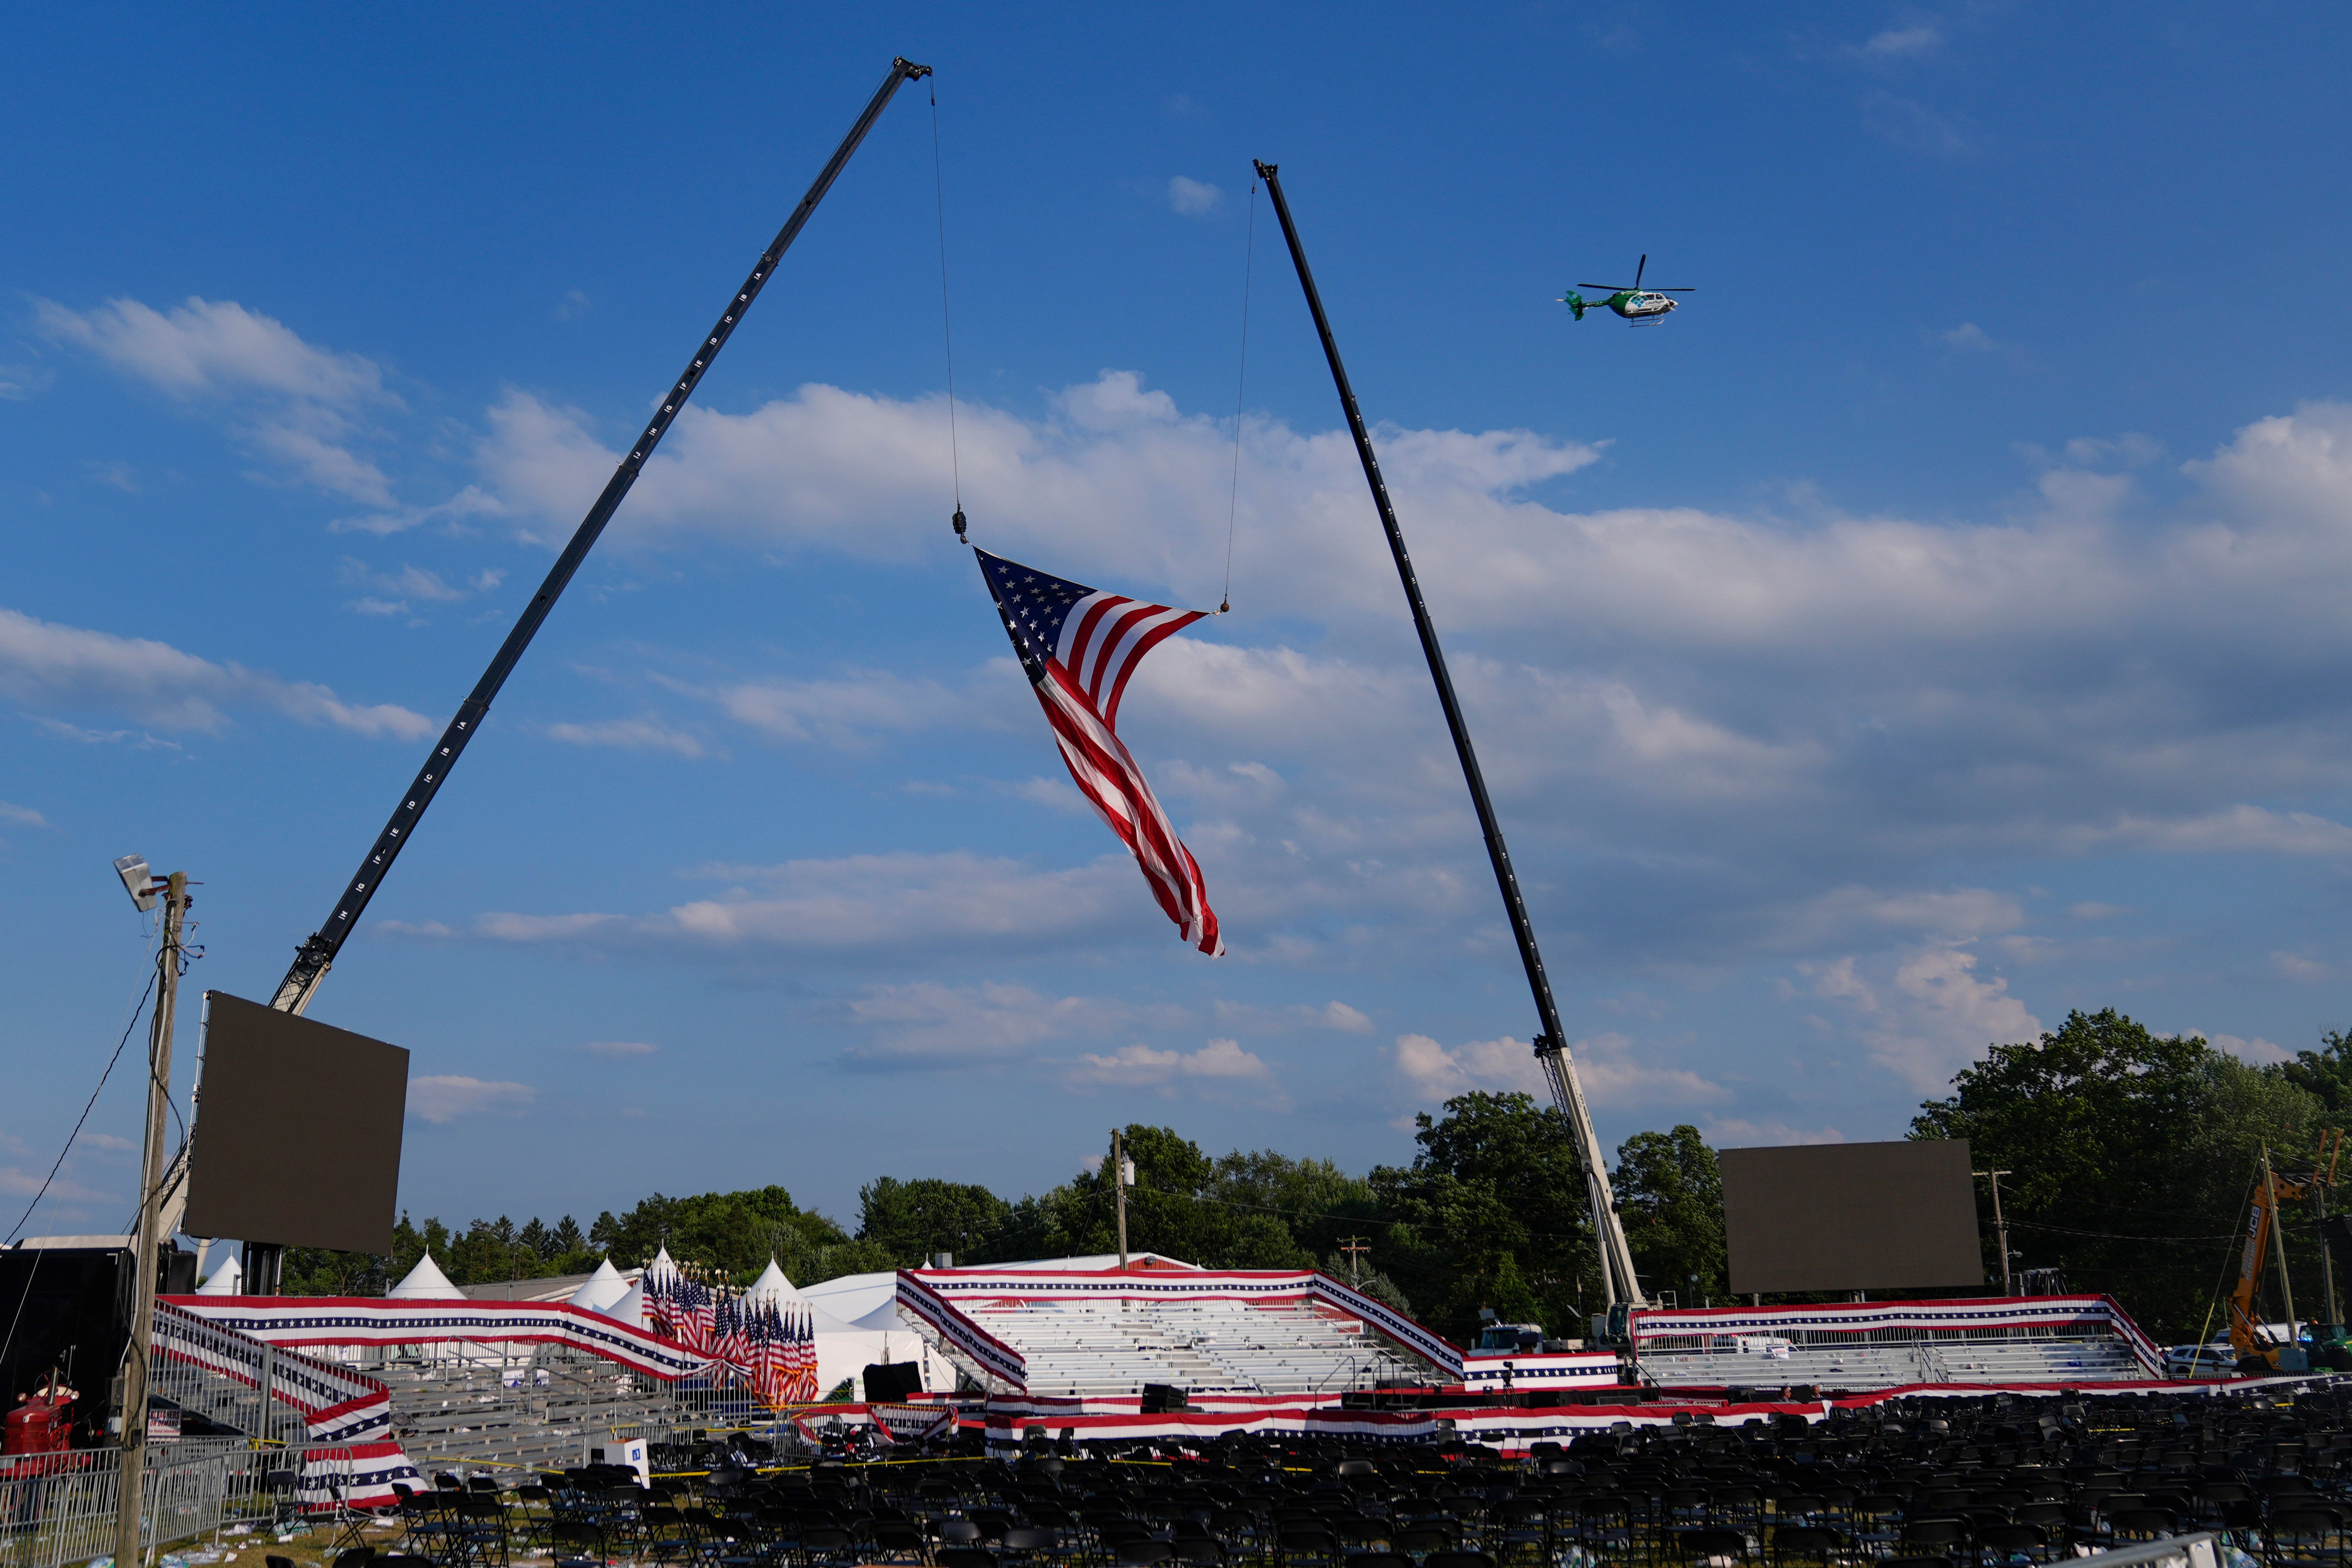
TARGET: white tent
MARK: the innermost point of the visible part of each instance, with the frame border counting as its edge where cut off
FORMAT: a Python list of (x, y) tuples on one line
[(773, 1288), (600, 1288), (630, 1307), (226, 1280), (426, 1282)]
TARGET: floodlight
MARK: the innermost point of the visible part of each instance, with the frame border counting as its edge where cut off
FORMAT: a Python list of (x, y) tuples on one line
[(137, 880)]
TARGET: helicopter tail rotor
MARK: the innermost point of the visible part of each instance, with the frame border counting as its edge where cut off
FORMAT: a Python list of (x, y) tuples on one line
[(1575, 303)]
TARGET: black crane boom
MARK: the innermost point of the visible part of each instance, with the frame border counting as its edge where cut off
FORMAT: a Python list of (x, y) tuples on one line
[(318, 950), (1618, 1282)]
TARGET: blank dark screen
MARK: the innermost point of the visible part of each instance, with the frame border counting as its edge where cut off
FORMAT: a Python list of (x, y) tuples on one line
[(1852, 1217), (298, 1131)]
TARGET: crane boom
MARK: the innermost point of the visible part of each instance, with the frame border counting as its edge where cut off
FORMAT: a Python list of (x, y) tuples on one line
[(317, 953), (1618, 1280)]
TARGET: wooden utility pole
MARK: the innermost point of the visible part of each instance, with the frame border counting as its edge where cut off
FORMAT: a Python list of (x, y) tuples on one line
[(1119, 1184), (2000, 1230), (1355, 1246), (147, 1245), (2278, 1244)]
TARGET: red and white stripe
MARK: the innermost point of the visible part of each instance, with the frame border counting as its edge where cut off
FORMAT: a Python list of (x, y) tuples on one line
[(1108, 642), (1106, 636)]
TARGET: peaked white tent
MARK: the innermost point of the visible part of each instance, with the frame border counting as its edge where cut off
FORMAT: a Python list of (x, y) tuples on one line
[(630, 1307), (601, 1289), (771, 1288), (226, 1280), (426, 1282)]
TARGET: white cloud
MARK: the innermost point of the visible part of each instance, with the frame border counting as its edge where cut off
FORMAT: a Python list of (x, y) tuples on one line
[(2235, 829), (409, 581), (1966, 337), (2296, 469), (43, 664), (1736, 1133), (2257, 1051), (293, 403), (1607, 1067), (1930, 1016), (23, 815), (1193, 197), (618, 1049), (878, 904), (2298, 967), (20, 1183), (20, 383), (1914, 127), (648, 733), (852, 708), (928, 1023), (1337, 1015), (2093, 910), (443, 1098), (1909, 42), (1216, 1071)]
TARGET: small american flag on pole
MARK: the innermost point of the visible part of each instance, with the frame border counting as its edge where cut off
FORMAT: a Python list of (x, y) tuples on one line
[(1078, 646)]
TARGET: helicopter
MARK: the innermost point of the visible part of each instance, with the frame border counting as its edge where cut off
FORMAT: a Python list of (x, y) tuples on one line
[(1636, 304)]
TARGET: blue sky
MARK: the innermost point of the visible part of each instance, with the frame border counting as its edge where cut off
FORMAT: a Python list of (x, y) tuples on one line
[(1934, 626)]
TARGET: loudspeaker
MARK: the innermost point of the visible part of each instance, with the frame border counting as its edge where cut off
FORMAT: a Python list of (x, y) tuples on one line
[(889, 1382), (1160, 1398)]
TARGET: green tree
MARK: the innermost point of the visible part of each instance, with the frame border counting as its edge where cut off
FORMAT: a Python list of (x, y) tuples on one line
[(1669, 1194), (1490, 1213), (911, 1221), (2325, 1074), (2130, 1157)]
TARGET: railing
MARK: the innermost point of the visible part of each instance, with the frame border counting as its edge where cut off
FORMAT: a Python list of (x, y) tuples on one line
[(57, 1508)]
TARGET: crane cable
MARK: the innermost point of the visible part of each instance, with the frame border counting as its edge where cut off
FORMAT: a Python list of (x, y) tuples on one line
[(947, 324), (1241, 385)]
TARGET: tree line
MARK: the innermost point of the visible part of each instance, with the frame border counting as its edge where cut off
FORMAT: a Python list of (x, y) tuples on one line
[(2130, 1158)]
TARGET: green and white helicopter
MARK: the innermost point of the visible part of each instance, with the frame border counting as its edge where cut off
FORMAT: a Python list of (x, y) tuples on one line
[(1636, 304)]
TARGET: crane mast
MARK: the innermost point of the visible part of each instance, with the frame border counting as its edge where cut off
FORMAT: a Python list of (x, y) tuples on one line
[(317, 952), (1618, 1280)]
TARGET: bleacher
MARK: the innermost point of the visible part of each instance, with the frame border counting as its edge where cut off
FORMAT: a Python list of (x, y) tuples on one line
[(1112, 1346), (1863, 1364)]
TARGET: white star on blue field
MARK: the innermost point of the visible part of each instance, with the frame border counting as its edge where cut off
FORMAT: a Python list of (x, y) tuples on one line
[(1935, 625)]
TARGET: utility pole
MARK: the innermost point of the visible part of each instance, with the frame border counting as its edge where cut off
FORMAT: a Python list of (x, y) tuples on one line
[(1619, 1282), (1999, 1228), (2278, 1244), (147, 1244), (1118, 1181), (1355, 1247), (2321, 1180)]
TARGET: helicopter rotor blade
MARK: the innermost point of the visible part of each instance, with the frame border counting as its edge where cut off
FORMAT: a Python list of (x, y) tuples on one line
[(1641, 268), (1613, 288)]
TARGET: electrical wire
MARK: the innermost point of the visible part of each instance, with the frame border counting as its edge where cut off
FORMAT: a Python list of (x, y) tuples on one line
[(1241, 385), (153, 971), (8, 1342), (947, 326)]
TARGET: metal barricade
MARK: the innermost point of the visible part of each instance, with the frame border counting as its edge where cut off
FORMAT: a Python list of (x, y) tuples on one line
[(60, 1509)]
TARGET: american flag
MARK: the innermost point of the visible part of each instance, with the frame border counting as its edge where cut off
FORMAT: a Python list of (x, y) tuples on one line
[(1078, 647)]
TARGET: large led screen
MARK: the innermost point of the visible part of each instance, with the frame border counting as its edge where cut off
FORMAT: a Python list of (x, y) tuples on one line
[(298, 1131), (1852, 1217)]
